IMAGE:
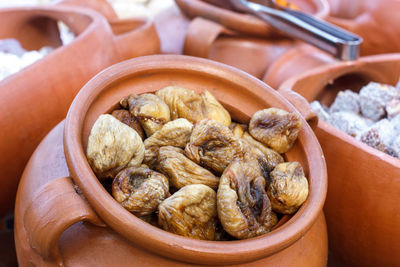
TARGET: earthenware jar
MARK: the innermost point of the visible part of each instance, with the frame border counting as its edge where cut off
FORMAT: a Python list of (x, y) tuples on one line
[(362, 208), (237, 39), (377, 22), (64, 215), (36, 98)]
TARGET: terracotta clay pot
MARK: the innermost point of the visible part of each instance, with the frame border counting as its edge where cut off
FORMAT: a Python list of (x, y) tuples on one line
[(295, 61), (363, 190), (36, 98), (377, 22), (236, 39), (49, 211)]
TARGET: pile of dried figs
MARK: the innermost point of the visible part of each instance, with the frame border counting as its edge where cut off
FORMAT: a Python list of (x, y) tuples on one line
[(176, 160)]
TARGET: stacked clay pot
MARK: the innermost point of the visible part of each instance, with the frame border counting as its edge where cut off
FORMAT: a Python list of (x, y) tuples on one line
[(60, 202), (363, 187), (237, 39), (377, 22), (36, 98)]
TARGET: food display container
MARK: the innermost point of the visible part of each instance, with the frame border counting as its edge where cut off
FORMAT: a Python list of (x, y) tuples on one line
[(64, 216), (35, 99), (237, 39), (365, 18), (362, 208), (377, 22)]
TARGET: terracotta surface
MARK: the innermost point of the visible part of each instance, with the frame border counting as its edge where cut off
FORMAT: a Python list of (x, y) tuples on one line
[(35, 99), (236, 39), (295, 61), (362, 208), (65, 218), (377, 22)]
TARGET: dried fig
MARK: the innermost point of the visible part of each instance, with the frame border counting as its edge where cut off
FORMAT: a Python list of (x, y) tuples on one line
[(212, 109), (243, 205), (140, 190), (181, 171), (272, 158), (185, 103), (288, 188), (151, 111), (238, 129), (190, 212), (276, 128), (174, 133), (126, 117), (113, 146), (213, 145)]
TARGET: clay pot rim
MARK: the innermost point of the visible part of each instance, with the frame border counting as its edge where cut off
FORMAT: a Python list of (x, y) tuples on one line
[(158, 240), (243, 23), (337, 70), (96, 20)]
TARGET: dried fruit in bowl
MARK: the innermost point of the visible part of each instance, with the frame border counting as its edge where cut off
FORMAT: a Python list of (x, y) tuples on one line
[(288, 188), (243, 205), (150, 110), (175, 133), (140, 190), (190, 212), (113, 146), (181, 171), (213, 145), (185, 103), (276, 128), (126, 117)]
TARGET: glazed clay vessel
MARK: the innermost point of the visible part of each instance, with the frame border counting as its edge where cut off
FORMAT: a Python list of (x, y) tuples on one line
[(51, 218), (236, 39), (35, 99), (362, 208)]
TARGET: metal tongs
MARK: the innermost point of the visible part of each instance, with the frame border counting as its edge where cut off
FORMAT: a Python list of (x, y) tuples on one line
[(340, 43)]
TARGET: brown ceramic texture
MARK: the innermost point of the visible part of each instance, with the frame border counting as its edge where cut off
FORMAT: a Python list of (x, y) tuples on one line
[(237, 39), (362, 208), (36, 98), (102, 221), (377, 22)]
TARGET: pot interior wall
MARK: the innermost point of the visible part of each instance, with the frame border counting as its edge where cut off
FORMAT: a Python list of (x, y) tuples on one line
[(37, 29)]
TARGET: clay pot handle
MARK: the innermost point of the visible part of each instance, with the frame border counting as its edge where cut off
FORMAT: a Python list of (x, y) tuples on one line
[(135, 37), (302, 106), (201, 35), (54, 208)]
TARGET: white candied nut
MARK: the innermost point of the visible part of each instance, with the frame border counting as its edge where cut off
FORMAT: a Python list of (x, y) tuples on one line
[(113, 146), (349, 123), (346, 101), (373, 99), (393, 108), (396, 124), (379, 136), (320, 110)]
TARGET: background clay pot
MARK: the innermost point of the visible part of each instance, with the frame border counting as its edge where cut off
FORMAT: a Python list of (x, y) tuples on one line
[(377, 22), (363, 190), (237, 39), (94, 217), (36, 98)]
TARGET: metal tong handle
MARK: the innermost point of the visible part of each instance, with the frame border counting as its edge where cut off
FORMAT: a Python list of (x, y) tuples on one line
[(332, 39)]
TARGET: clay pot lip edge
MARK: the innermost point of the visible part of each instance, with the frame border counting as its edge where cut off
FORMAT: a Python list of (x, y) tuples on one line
[(331, 68), (290, 231), (96, 19), (322, 6)]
